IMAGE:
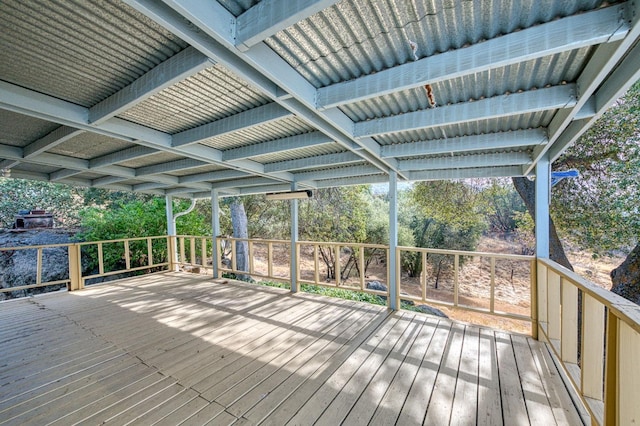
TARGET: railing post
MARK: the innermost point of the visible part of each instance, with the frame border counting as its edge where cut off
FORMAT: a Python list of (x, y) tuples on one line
[(75, 269), (215, 226)]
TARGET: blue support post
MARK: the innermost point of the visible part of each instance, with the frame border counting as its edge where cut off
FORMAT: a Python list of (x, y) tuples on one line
[(393, 241), (215, 227), (294, 241)]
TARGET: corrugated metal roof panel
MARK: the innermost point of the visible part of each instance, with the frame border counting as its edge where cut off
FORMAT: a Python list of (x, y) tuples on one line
[(550, 70), (523, 121), (290, 126), (294, 154), (150, 160), (360, 37), (89, 145), (35, 168), (98, 47), (20, 130), (203, 169), (209, 95)]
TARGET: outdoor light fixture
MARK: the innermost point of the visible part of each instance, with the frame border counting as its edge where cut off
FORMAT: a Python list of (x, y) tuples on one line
[(293, 195), (6, 173)]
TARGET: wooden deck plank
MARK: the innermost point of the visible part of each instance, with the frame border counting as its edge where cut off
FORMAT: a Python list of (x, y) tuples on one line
[(489, 402), (415, 406), (441, 402), (183, 413), (316, 404), (514, 410), (339, 408), (149, 350), (245, 371), (562, 405), (464, 413), (279, 414), (370, 397), (281, 385), (391, 404), (538, 406), (344, 328)]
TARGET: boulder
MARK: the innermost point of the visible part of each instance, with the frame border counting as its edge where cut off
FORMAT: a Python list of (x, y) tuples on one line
[(18, 268), (431, 311)]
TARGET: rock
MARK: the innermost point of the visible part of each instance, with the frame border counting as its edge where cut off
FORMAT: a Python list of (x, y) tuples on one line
[(18, 268), (377, 286), (431, 311)]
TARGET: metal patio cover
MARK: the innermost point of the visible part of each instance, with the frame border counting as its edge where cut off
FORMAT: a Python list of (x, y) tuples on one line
[(182, 97)]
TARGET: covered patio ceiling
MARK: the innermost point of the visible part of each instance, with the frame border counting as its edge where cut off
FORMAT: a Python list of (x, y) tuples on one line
[(183, 97)]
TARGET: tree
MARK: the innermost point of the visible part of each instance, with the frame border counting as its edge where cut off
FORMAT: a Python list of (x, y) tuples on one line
[(452, 217), (335, 214), (239, 223), (600, 210), (19, 194)]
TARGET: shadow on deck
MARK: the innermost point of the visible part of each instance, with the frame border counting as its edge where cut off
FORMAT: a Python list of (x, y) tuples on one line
[(173, 348)]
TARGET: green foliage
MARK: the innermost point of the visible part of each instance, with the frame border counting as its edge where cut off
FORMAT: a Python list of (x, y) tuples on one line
[(135, 219), (335, 214), (600, 210), (332, 292), (502, 206), (19, 194), (443, 215), (265, 219)]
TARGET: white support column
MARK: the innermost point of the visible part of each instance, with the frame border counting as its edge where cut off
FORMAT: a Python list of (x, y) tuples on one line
[(543, 192), (215, 227), (294, 241), (393, 241), (171, 232)]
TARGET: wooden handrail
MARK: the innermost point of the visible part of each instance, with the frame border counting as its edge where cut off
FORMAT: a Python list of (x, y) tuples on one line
[(602, 363)]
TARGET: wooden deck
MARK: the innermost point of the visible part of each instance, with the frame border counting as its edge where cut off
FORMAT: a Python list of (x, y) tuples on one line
[(177, 348)]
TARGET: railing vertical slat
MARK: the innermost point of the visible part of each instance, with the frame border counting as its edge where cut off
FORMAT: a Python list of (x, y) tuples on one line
[(234, 260), (203, 252), (127, 255), (149, 252), (492, 300), (611, 371), (270, 259), (628, 375), (592, 347), (423, 276), (316, 263), (553, 305), (456, 264), (251, 271), (533, 294), (100, 259), (568, 332), (337, 264), (75, 268), (39, 267), (192, 249), (361, 268), (183, 258), (298, 263)]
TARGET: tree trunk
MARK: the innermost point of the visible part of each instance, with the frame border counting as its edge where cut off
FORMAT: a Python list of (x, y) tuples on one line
[(626, 277), (527, 191), (239, 223)]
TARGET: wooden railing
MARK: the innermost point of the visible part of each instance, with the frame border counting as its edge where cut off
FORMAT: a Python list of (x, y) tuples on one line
[(115, 256), (464, 292), (345, 265), (36, 253), (595, 335)]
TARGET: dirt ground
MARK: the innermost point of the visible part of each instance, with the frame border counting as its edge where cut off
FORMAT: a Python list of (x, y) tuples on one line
[(512, 279)]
